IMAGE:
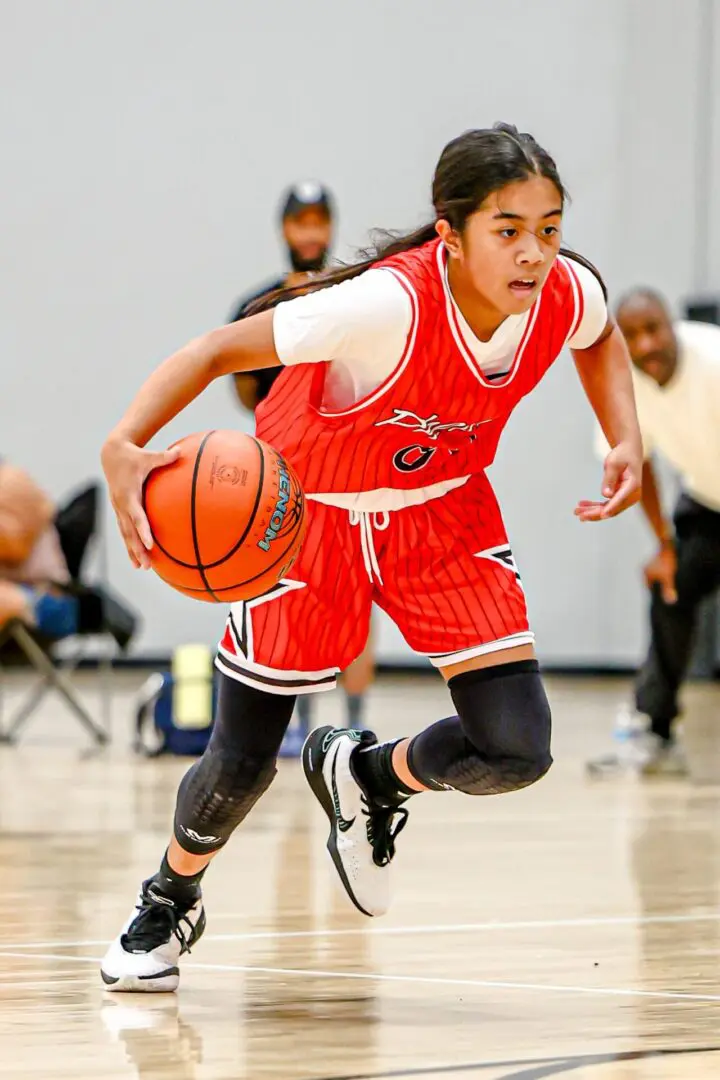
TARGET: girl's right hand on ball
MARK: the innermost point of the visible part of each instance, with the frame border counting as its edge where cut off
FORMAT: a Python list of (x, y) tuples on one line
[(126, 468)]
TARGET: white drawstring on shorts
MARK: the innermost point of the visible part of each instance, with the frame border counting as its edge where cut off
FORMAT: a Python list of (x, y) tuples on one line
[(369, 520)]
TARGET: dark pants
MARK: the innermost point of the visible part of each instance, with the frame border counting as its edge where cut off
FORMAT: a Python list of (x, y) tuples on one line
[(672, 625)]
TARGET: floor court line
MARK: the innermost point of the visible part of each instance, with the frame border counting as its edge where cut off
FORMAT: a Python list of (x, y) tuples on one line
[(532, 1067), (427, 980), (52, 985), (378, 931)]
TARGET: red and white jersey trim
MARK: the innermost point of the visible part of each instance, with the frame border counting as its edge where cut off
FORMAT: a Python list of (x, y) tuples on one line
[(467, 356), (513, 641), (577, 295), (388, 383)]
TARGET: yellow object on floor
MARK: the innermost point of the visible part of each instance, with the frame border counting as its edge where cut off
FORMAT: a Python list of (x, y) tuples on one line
[(192, 672)]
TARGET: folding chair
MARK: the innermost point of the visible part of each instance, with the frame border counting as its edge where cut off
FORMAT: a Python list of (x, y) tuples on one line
[(52, 677), (100, 615)]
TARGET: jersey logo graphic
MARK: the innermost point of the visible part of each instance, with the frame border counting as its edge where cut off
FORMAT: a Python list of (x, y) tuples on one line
[(503, 556), (241, 615), (404, 418), (412, 458)]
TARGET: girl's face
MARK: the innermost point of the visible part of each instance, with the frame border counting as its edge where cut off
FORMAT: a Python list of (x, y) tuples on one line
[(509, 244)]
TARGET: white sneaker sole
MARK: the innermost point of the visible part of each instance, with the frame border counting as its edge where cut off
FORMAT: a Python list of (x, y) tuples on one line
[(162, 983)]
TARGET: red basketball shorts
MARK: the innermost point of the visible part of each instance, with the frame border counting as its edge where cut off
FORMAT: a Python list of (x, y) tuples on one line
[(443, 572)]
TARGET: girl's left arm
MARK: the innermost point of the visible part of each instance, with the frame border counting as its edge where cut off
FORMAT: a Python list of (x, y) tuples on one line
[(605, 372)]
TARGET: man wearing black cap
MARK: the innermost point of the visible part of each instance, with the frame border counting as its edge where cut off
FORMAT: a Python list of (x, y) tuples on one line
[(306, 215)]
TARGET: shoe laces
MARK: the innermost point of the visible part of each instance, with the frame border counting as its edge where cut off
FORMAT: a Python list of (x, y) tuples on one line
[(155, 924), (383, 824)]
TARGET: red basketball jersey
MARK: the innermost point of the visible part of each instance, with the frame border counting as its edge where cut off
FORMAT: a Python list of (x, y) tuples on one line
[(436, 417)]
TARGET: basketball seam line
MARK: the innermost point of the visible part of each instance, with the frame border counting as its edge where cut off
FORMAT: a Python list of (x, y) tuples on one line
[(241, 541), (202, 567), (246, 581), (193, 523), (253, 515)]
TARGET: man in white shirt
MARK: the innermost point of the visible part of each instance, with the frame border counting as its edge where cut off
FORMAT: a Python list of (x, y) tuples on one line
[(677, 388)]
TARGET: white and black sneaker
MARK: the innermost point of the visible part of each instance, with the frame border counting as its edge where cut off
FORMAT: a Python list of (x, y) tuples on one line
[(362, 832), (144, 957)]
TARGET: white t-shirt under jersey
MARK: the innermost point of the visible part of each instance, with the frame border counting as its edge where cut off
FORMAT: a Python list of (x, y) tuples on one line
[(681, 420), (361, 327)]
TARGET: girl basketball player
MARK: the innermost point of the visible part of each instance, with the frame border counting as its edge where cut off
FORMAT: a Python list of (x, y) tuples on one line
[(402, 372)]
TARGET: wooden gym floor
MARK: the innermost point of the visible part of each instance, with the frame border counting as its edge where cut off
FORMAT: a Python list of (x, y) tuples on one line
[(572, 929)]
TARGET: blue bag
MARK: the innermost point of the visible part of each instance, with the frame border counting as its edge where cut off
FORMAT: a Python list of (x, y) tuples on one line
[(178, 706)]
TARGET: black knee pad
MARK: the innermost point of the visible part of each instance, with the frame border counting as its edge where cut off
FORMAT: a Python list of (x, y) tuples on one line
[(500, 739), (239, 764), (216, 795)]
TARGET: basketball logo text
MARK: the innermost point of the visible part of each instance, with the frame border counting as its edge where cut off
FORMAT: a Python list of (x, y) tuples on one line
[(227, 474), (281, 506)]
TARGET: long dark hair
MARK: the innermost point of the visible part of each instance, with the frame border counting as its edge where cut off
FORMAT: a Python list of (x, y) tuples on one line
[(471, 168)]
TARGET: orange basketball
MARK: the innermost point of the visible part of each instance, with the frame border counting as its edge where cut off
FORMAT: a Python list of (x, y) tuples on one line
[(227, 518)]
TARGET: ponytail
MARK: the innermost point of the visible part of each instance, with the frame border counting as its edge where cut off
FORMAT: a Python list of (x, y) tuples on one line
[(570, 254), (387, 245)]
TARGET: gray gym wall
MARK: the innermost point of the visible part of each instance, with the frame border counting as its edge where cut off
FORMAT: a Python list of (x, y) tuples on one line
[(145, 143)]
